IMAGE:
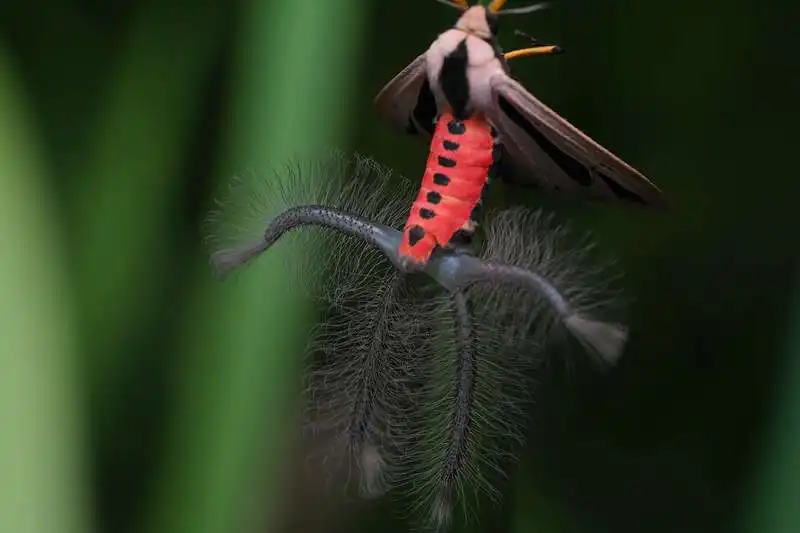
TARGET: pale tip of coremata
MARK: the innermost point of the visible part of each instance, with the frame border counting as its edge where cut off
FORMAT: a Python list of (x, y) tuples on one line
[(372, 468), (607, 339)]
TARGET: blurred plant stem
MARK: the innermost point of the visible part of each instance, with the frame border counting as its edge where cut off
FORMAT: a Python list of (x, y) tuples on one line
[(243, 348), (125, 193), (777, 485), (41, 462)]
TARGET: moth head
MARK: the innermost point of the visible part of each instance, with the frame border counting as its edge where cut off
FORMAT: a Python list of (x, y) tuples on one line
[(481, 21), (478, 21)]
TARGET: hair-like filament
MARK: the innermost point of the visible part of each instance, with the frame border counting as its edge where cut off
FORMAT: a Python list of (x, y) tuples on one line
[(420, 382)]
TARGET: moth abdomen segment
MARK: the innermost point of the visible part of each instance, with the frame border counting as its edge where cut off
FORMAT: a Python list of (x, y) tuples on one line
[(448, 203)]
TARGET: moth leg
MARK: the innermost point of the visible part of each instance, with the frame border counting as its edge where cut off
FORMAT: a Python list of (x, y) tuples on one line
[(409, 266), (534, 51), (536, 48), (460, 243), (533, 40)]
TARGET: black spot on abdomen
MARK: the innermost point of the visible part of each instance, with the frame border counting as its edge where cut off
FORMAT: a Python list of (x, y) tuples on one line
[(446, 161), (441, 179), (456, 127), (450, 146), (415, 234), (453, 80)]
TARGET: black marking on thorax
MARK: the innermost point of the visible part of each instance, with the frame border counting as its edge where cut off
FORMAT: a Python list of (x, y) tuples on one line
[(498, 53), (493, 21), (453, 80)]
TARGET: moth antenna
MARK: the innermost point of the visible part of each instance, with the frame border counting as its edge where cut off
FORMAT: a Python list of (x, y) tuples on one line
[(520, 33), (523, 10), (496, 5), (458, 4)]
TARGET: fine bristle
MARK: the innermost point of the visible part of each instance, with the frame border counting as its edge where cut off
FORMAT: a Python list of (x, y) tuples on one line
[(227, 260), (356, 354), (464, 444), (417, 387), (372, 467), (356, 184)]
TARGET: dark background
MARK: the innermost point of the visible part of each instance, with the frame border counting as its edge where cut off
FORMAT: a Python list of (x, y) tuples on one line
[(170, 407)]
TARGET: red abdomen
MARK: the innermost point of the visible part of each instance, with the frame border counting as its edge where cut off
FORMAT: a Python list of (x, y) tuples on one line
[(455, 176)]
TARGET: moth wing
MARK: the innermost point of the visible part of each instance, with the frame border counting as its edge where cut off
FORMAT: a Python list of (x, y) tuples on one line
[(546, 149), (407, 101)]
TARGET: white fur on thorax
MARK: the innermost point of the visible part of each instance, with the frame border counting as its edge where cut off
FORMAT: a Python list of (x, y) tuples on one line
[(482, 61)]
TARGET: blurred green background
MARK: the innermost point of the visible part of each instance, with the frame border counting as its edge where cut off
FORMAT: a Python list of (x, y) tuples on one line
[(137, 394)]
